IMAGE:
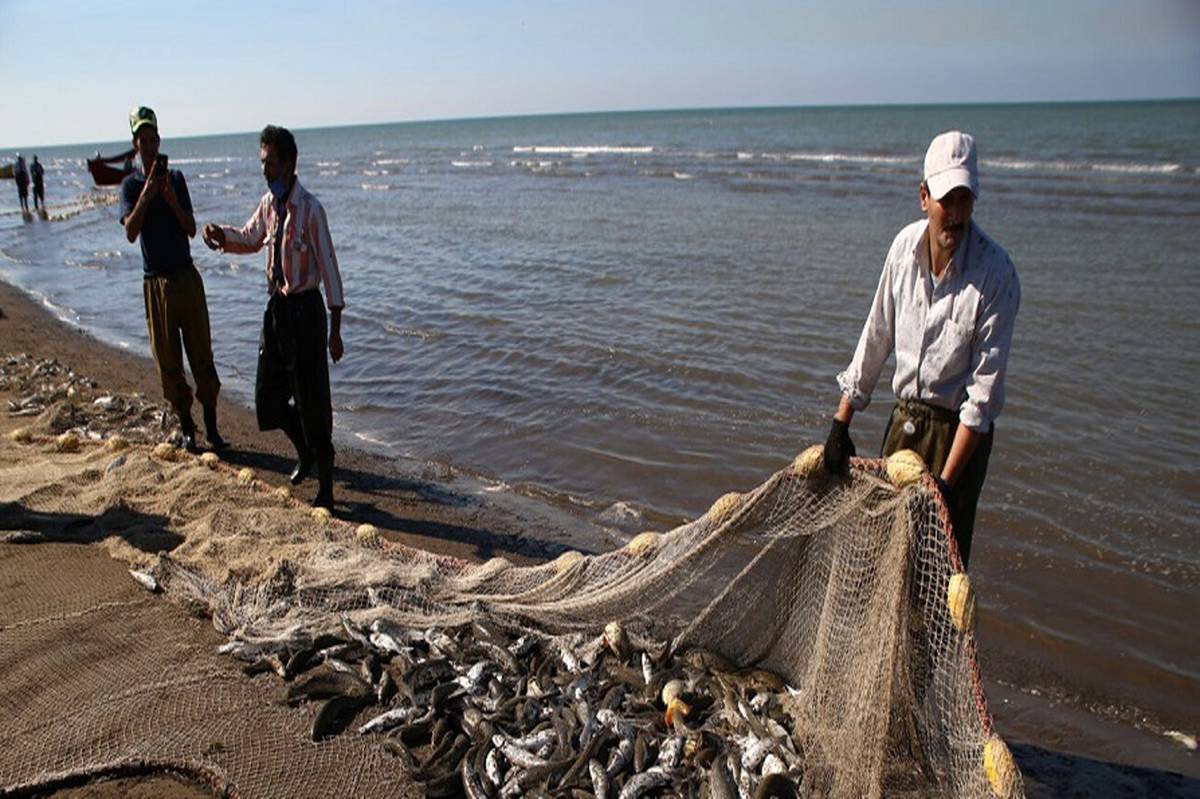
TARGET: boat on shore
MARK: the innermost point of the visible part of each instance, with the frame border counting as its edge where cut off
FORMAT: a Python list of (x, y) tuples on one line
[(112, 170)]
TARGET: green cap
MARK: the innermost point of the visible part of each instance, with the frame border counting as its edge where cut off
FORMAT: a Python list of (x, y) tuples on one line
[(141, 116)]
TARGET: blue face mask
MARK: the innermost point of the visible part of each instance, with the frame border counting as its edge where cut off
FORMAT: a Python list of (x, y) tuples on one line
[(279, 188)]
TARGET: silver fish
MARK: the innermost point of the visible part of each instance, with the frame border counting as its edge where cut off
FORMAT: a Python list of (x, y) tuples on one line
[(773, 765), (443, 643), (589, 722), (386, 643), (648, 780), (354, 633), (534, 742), (472, 784), (21, 537), (145, 580), (721, 784), (599, 779), (755, 750), (494, 768), (621, 757), (671, 752), (385, 721), (476, 678), (522, 646), (515, 754)]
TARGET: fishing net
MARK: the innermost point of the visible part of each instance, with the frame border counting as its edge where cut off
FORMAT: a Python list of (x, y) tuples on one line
[(850, 590)]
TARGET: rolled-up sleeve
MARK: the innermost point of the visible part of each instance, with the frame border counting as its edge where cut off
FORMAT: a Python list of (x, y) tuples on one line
[(874, 345), (993, 337), (250, 236)]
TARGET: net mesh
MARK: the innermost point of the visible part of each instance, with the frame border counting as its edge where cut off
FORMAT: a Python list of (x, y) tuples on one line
[(840, 587)]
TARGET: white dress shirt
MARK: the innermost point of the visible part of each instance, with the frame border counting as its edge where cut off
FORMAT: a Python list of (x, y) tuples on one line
[(951, 336)]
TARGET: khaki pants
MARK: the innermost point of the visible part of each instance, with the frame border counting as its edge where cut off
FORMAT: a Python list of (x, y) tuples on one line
[(177, 311), (932, 435)]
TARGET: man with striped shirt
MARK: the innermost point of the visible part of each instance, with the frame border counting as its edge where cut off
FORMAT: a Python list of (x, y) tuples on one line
[(946, 304), (291, 391)]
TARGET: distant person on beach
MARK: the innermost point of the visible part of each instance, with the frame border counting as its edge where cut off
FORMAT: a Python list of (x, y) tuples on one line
[(155, 205), (21, 176), (39, 187), (946, 304), (291, 391)]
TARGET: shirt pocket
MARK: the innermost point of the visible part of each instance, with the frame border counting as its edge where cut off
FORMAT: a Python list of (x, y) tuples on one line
[(951, 354)]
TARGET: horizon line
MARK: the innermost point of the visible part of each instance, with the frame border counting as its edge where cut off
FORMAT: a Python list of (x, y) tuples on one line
[(679, 109)]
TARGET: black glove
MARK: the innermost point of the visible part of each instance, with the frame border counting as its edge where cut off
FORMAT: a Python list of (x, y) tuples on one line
[(839, 449), (945, 490)]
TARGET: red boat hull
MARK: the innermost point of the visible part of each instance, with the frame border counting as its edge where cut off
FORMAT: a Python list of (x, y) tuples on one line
[(106, 175)]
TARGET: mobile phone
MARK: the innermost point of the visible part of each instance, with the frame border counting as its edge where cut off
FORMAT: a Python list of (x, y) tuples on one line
[(160, 166)]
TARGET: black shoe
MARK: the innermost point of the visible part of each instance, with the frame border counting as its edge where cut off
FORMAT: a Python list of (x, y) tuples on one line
[(210, 430), (323, 499), (187, 430), (302, 470)]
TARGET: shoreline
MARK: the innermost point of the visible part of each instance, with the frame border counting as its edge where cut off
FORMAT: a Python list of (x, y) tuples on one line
[(428, 505), (435, 508)]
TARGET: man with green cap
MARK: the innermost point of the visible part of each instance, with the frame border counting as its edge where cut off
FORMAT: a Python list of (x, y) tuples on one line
[(156, 206)]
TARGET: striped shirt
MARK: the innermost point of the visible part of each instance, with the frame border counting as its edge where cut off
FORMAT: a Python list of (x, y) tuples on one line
[(951, 336), (306, 256)]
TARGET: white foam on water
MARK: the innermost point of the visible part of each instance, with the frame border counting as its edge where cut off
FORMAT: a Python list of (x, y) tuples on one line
[(470, 164), (374, 173), (216, 160), (1082, 166), (327, 173), (367, 437), (834, 158), (390, 162), (531, 164), (743, 156), (376, 187), (1138, 169), (329, 163), (584, 149), (682, 175)]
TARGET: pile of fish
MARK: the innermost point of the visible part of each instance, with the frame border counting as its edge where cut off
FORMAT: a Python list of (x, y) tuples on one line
[(44, 384), (481, 711)]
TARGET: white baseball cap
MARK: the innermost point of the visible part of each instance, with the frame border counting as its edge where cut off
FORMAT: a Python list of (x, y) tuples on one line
[(950, 162)]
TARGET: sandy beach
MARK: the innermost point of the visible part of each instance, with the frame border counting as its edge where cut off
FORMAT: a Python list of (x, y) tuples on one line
[(422, 505)]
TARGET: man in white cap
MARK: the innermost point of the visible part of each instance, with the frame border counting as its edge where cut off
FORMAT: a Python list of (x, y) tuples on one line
[(946, 304)]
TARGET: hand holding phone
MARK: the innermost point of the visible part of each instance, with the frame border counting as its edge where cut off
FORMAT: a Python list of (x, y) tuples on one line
[(160, 166)]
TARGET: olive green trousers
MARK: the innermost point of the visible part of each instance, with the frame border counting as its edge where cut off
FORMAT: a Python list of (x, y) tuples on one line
[(177, 321), (929, 431)]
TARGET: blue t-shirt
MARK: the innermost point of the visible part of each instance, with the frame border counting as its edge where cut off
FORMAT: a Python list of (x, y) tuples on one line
[(165, 247)]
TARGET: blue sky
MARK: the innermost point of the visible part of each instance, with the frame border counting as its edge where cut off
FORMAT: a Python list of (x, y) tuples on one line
[(73, 69)]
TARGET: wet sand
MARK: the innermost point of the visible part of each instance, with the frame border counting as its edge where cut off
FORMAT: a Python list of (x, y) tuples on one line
[(434, 508)]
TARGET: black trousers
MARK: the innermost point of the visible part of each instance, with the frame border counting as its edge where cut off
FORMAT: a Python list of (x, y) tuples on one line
[(291, 389)]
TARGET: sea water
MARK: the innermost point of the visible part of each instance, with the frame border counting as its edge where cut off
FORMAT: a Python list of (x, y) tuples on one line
[(630, 314)]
